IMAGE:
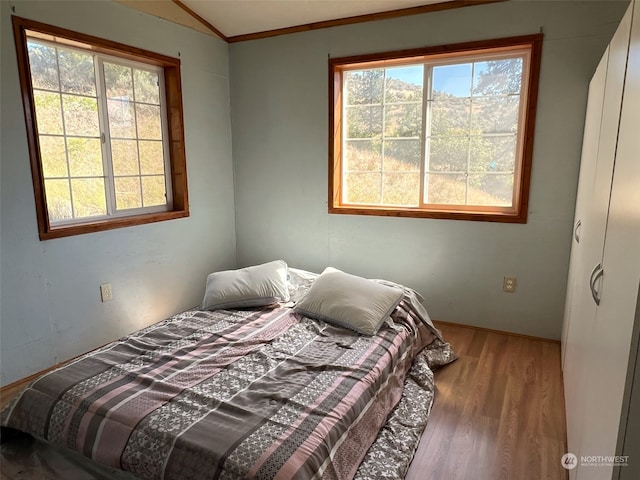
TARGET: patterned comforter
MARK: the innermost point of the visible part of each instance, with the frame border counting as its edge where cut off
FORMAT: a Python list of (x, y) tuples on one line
[(265, 394)]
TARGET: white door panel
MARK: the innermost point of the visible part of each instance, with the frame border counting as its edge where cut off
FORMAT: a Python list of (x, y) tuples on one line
[(588, 161), (574, 329), (621, 262)]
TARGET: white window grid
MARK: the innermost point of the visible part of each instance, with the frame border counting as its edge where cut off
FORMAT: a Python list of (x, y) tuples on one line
[(105, 136), (426, 102)]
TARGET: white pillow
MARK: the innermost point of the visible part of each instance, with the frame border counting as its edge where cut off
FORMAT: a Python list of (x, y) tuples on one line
[(349, 301), (247, 287)]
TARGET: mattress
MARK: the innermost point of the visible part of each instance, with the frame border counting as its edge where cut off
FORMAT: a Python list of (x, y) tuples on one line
[(257, 393)]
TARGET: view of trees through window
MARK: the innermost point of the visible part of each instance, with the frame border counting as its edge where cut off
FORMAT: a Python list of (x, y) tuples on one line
[(99, 125), (456, 123)]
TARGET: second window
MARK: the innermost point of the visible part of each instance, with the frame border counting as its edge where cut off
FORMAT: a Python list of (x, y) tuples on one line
[(432, 133)]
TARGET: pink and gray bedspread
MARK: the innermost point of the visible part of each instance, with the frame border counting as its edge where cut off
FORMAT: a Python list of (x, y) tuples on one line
[(264, 394)]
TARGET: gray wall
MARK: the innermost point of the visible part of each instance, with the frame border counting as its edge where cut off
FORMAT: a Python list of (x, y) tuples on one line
[(279, 119), (50, 307)]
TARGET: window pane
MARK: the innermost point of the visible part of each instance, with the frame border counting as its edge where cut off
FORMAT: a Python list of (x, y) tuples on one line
[(84, 92), (122, 122), (363, 156), (437, 133), (450, 81), (151, 158), (495, 115), (402, 155), (364, 87), (48, 112), (80, 116), (125, 157), (404, 84), (58, 200), (491, 189), (401, 188), (498, 77), (404, 120), (88, 197), (118, 81), (445, 188), (76, 72), (53, 156), (450, 117), (153, 191), (364, 122), (493, 154), (146, 86), (448, 154), (85, 157), (127, 192), (44, 67), (149, 123), (363, 188)]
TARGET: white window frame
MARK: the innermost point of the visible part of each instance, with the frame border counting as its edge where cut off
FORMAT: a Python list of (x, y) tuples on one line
[(105, 135)]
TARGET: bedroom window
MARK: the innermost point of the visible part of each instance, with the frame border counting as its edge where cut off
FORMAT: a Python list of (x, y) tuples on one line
[(105, 131), (440, 132)]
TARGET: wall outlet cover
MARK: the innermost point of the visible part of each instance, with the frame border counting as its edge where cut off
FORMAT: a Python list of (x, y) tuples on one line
[(509, 284)]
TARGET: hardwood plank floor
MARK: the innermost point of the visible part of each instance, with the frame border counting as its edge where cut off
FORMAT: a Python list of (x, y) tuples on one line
[(498, 411)]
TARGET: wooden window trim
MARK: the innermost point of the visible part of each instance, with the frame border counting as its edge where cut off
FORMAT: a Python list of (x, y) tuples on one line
[(173, 99), (518, 212)]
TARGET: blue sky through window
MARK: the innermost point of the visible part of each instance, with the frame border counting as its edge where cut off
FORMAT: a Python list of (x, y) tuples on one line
[(413, 74), (452, 79)]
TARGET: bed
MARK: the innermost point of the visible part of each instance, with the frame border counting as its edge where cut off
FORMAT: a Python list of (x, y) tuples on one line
[(263, 392)]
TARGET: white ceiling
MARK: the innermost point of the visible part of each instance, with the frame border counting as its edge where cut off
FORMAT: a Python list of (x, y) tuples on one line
[(239, 17)]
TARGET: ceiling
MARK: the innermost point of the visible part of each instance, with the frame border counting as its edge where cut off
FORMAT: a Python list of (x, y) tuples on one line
[(235, 20)]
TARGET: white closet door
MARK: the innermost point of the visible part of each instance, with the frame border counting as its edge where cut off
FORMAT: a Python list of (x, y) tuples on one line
[(595, 229), (574, 331), (581, 361), (615, 316), (591, 139)]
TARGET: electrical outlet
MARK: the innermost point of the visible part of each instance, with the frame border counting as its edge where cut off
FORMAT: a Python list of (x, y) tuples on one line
[(509, 284), (105, 292)]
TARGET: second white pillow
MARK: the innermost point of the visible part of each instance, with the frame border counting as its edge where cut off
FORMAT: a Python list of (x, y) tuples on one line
[(349, 301)]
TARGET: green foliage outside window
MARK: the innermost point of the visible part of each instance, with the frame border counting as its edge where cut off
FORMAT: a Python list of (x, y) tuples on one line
[(69, 133), (468, 141)]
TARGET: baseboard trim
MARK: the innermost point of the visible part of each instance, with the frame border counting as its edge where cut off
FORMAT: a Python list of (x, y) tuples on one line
[(9, 391), (491, 330)]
